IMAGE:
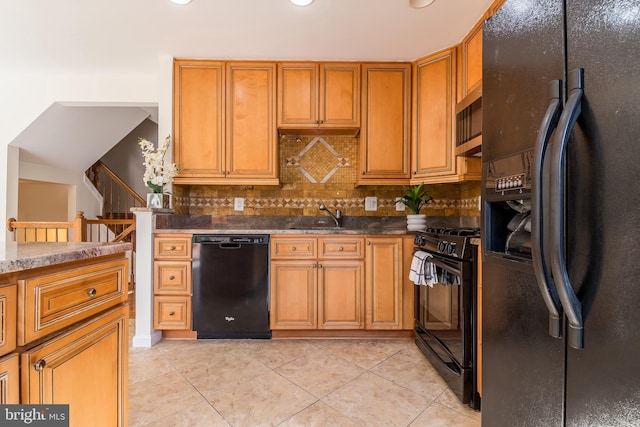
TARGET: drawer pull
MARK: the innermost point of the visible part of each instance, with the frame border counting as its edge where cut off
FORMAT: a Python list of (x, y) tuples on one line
[(293, 249), (91, 292), (39, 365), (171, 313), (341, 249), (172, 248), (172, 277)]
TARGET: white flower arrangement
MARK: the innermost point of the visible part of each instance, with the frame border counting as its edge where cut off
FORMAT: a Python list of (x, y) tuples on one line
[(156, 173)]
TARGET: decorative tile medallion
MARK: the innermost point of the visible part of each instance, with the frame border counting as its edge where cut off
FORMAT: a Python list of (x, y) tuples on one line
[(318, 161)]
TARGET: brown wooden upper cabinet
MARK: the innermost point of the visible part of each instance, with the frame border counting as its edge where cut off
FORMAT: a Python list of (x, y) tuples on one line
[(385, 131), (319, 98), (224, 122), (471, 62), (433, 147)]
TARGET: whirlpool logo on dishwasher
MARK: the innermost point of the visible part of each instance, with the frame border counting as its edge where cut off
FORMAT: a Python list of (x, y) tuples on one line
[(229, 318)]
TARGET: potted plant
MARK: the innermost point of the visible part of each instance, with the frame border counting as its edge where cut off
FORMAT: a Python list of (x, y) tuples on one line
[(156, 173), (415, 198)]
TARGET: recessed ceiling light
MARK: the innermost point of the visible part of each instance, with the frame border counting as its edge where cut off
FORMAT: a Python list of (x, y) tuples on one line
[(181, 1), (420, 3), (302, 2)]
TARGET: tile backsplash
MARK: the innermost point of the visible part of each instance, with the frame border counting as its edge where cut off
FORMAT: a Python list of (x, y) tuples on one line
[(315, 170)]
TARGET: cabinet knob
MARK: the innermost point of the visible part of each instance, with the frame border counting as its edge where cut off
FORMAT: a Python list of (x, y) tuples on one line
[(321, 121), (314, 266), (91, 292), (171, 313), (341, 249), (39, 365), (369, 243), (172, 248), (172, 277), (319, 265), (415, 172), (293, 249)]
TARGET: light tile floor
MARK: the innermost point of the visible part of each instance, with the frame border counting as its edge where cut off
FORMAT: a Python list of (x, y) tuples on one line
[(289, 383)]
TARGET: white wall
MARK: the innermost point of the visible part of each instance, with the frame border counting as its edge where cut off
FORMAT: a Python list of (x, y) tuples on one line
[(25, 96)]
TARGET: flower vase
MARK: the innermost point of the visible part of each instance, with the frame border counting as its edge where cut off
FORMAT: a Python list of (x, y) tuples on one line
[(158, 200), (416, 222)]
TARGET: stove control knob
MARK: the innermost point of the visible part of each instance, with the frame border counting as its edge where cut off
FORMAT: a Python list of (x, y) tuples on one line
[(441, 246), (449, 248), (419, 241)]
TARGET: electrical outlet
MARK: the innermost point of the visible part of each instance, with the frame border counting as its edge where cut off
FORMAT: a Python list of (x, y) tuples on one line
[(399, 206), (370, 203), (238, 204)]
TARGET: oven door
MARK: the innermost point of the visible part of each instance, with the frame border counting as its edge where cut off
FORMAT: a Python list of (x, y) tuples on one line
[(444, 325), (445, 312)]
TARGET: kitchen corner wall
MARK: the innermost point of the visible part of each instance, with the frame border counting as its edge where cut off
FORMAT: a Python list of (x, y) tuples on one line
[(316, 170)]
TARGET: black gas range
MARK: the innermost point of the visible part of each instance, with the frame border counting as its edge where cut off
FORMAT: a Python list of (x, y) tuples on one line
[(446, 306)]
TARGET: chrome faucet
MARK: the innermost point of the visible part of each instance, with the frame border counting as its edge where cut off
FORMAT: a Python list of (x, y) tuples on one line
[(335, 217)]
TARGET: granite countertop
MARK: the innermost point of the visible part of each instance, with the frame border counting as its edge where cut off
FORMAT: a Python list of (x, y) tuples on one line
[(201, 224), (16, 256)]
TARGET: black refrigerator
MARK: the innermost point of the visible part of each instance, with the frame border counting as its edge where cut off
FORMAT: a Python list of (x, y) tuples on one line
[(561, 214)]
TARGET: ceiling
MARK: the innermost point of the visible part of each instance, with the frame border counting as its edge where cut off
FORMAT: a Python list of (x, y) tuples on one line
[(129, 37)]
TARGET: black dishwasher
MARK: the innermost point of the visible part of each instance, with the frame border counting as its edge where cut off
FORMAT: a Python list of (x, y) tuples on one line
[(231, 286)]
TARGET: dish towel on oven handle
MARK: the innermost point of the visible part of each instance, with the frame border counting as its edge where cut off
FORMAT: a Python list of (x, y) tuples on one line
[(423, 272)]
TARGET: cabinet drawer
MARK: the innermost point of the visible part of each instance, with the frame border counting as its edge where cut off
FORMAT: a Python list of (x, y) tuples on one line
[(52, 301), (172, 277), (8, 306), (294, 247), (172, 247), (340, 247), (172, 312)]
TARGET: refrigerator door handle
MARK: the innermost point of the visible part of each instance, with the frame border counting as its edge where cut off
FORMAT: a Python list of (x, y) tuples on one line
[(568, 298), (539, 198)]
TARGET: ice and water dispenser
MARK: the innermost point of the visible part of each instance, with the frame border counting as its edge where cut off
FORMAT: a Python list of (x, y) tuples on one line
[(507, 204)]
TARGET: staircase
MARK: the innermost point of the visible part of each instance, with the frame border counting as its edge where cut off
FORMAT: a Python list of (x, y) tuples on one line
[(118, 197)]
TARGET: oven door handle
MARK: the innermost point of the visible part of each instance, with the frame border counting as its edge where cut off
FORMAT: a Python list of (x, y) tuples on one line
[(443, 265), (570, 303), (539, 200)]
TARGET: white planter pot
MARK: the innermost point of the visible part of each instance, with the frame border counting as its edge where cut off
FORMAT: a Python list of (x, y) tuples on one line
[(416, 222), (158, 200)]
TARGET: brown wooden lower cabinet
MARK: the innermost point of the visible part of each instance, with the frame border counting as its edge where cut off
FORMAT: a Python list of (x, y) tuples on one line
[(340, 283), (86, 368)]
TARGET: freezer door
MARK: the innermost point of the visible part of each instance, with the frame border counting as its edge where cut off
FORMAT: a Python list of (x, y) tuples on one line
[(603, 213)]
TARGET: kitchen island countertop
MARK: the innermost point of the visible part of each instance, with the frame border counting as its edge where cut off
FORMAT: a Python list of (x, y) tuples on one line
[(18, 256)]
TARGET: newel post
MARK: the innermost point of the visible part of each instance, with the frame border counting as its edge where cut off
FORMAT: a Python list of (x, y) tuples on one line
[(79, 227)]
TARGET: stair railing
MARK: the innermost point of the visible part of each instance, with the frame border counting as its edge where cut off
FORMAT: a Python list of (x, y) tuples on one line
[(118, 197)]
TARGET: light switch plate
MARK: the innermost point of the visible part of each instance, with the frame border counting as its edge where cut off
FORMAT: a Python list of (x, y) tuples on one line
[(399, 206), (370, 203), (238, 204)]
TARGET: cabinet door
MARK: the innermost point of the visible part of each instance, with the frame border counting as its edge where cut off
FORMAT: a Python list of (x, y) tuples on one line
[(9, 380), (384, 135), (8, 320), (251, 150), (293, 294), (198, 119), (86, 368), (340, 294), (384, 283), (297, 94), (471, 52), (433, 144), (339, 95)]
